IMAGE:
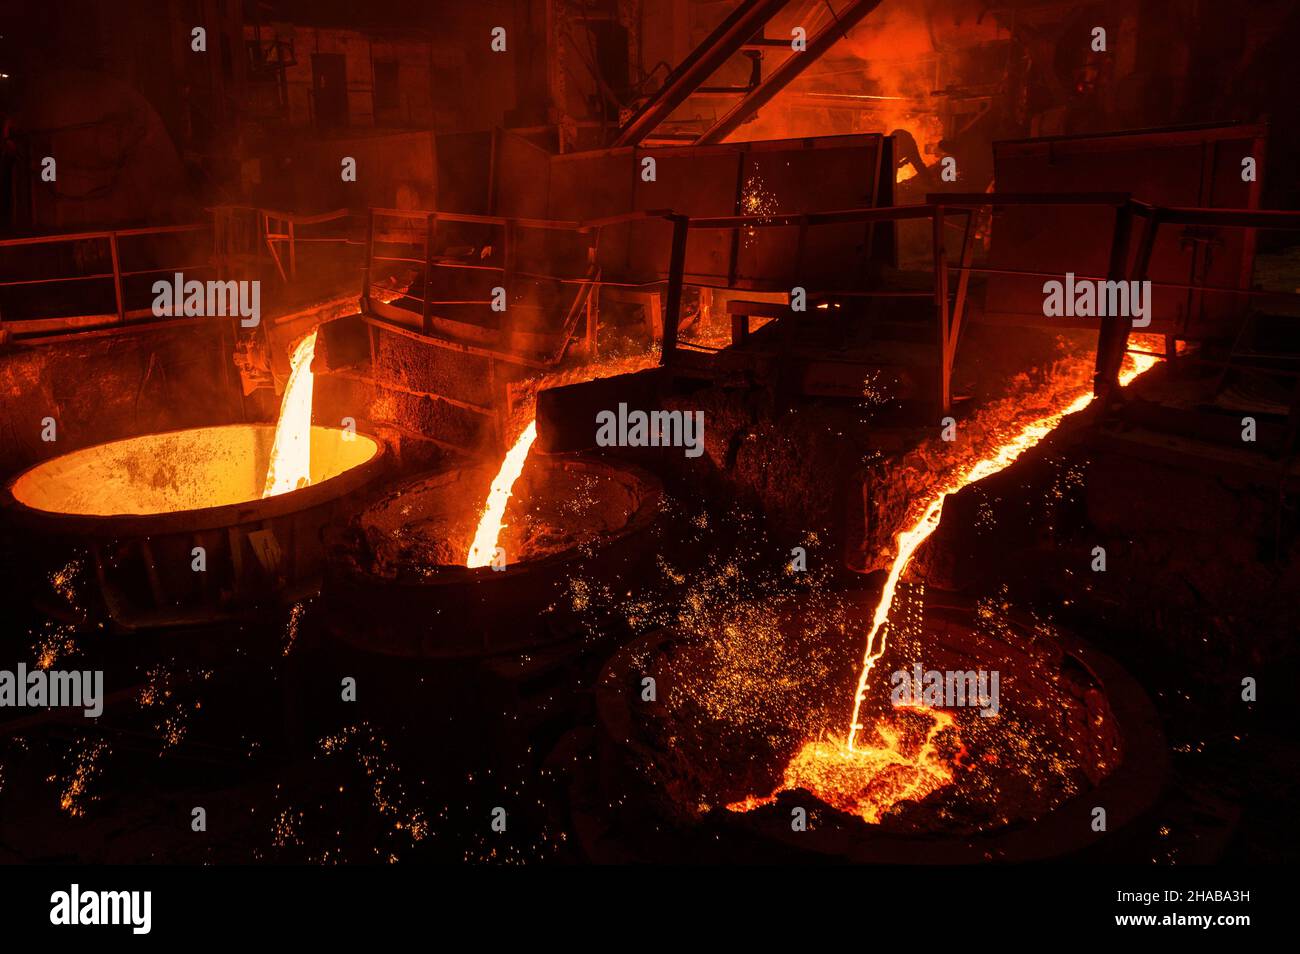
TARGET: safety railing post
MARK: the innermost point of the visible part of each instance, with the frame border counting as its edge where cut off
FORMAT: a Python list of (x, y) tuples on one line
[(676, 273)]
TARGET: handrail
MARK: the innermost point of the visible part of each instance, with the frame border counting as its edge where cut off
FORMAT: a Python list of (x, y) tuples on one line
[(297, 218), (1027, 198), (105, 234), (1112, 336), (121, 313), (553, 224), (1223, 218), (935, 208)]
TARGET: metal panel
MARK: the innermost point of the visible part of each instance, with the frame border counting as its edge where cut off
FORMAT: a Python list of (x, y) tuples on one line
[(595, 185), (773, 176), (689, 181), (1193, 166), (820, 175), (521, 177)]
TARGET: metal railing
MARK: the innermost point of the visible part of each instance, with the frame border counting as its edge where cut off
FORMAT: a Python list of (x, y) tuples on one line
[(949, 301), (279, 232), (950, 304), (949, 294), (499, 256), (274, 237), (243, 235), (113, 240), (1111, 349)]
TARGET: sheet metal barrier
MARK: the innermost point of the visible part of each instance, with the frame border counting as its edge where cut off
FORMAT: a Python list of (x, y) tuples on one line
[(1201, 270)]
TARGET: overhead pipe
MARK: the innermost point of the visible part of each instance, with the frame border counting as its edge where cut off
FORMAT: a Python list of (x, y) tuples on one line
[(790, 68), (738, 29)]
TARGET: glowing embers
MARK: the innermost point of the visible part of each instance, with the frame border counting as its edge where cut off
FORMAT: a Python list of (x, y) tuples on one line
[(740, 710), (290, 464), (483, 548)]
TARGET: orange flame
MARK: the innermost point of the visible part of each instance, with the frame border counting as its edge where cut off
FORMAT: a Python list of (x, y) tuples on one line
[(290, 464), (489, 525)]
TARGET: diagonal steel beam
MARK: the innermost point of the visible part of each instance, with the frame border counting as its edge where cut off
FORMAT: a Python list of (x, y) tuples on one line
[(740, 26), (790, 68)]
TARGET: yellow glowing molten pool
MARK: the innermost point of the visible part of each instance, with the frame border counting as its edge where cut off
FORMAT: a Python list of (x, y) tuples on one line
[(178, 470)]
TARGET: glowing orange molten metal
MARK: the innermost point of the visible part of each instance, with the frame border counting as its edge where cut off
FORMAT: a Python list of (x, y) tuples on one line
[(869, 780), (489, 525), (910, 539), (290, 464)]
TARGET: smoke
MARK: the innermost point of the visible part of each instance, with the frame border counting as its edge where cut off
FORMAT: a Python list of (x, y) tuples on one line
[(884, 76), (900, 47)]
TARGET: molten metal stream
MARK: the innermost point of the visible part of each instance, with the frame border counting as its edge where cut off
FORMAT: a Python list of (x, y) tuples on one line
[(910, 539), (489, 525), (868, 780), (290, 464)]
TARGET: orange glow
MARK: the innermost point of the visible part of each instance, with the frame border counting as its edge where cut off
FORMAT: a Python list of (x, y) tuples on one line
[(867, 780), (909, 539), (190, 469), (290, 464), (489, 525)]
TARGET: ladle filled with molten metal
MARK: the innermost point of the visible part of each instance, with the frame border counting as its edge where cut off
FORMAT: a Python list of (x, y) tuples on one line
[(200, 468), (487, 535)]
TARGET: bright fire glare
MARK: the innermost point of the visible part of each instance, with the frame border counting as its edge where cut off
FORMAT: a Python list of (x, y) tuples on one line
[(909, 539), (902, 764), (489, 525), (867, 780), (290, 464)]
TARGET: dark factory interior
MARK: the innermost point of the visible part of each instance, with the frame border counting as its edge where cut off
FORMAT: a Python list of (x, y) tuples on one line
[(580, 432)]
